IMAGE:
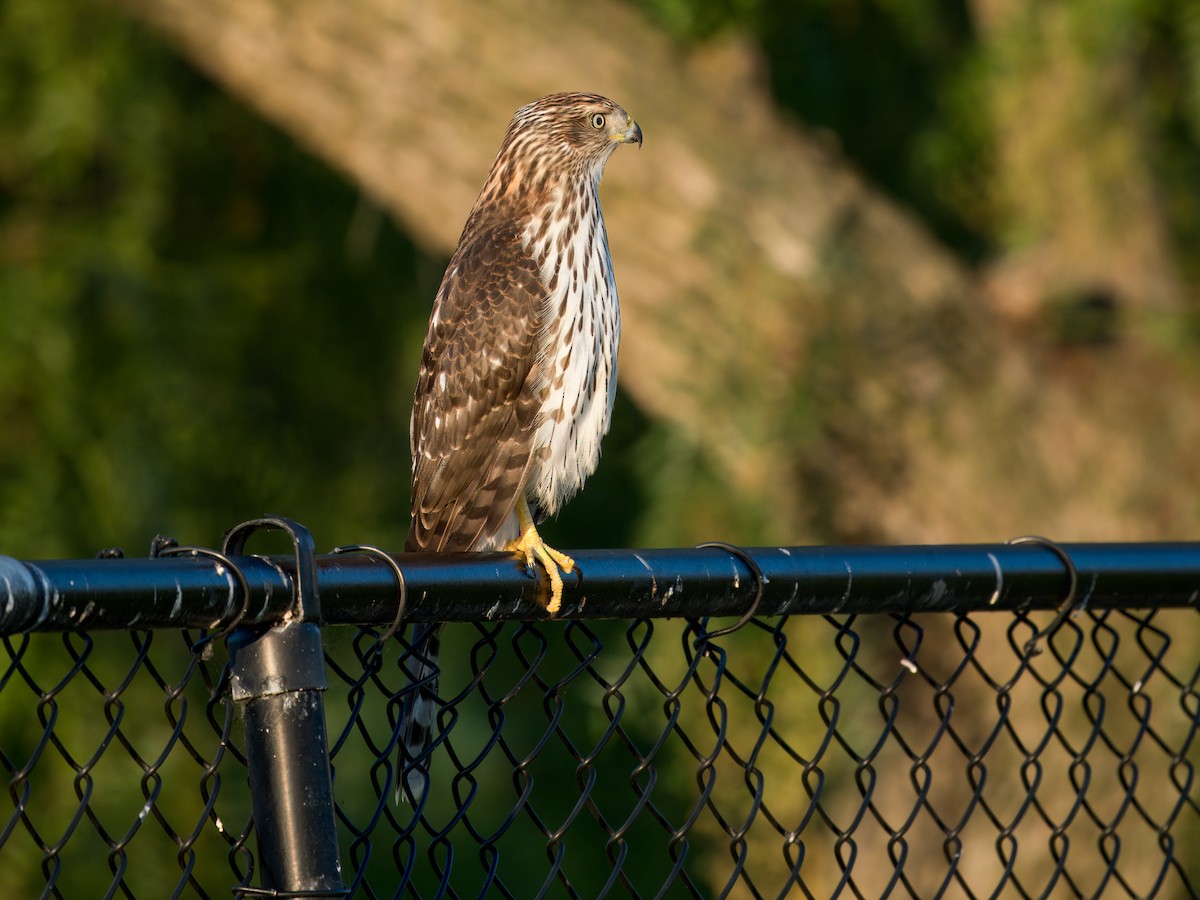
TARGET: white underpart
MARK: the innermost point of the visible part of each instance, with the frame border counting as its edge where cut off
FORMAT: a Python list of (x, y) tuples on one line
[(591, 328)]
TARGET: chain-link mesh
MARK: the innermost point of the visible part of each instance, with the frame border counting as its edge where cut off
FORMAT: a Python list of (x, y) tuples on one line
[(868, 756)]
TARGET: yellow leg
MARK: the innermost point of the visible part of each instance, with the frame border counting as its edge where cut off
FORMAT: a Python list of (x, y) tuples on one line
[(532, 547)]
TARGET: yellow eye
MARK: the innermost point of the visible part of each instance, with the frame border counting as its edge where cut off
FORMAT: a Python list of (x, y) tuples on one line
[(597, 120)]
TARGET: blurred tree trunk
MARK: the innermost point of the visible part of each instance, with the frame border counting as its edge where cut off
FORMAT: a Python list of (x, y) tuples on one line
[(835, 362)]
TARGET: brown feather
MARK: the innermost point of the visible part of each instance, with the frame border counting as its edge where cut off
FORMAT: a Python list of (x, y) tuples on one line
[(480, 391), (474, 411)]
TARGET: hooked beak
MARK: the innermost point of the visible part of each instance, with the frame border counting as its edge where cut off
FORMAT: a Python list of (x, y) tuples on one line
[(631, 135)]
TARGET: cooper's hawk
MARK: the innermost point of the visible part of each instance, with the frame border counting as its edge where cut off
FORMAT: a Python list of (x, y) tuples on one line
[(518, 373)]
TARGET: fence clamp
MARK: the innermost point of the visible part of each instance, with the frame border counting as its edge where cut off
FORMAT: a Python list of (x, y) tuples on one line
[(259, 665), (277, 676)]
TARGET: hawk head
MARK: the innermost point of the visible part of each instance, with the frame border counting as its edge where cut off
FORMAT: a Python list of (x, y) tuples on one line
[(575, 130)]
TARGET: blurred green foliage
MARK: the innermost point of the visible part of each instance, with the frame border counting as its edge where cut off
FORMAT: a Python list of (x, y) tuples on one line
[(202, 323), (205, 323), (190, 340)]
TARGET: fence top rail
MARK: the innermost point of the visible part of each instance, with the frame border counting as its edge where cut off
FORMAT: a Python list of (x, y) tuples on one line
[(194, 591)]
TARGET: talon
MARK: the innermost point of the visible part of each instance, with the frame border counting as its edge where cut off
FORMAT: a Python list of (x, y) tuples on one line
[(531, 546)]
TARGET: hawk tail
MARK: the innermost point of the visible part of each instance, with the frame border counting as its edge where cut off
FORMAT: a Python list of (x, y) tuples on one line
[(419, 712)]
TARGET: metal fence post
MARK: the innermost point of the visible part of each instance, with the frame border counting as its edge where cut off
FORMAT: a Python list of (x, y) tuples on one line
[(277, 676)]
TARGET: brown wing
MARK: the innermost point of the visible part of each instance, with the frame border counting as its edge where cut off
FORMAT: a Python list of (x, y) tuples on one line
[(475, 405)]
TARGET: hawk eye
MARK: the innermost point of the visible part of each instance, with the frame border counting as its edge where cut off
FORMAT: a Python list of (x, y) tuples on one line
[(597, 120)]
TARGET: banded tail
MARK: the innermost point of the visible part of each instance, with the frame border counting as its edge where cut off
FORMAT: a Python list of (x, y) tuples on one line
[(419, 714)]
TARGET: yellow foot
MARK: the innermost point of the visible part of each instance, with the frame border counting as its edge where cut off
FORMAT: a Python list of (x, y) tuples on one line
[(532, 547)]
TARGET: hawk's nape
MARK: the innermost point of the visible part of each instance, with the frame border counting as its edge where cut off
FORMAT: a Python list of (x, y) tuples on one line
[(518, 373)]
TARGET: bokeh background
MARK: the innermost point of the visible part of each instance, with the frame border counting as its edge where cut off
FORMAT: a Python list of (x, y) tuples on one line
[(891, 270)]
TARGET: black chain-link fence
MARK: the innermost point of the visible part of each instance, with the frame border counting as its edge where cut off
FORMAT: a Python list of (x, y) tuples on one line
[(989, 753)]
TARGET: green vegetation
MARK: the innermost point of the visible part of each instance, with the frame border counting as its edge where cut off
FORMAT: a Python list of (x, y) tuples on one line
[(201, 322), (204, 323)]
